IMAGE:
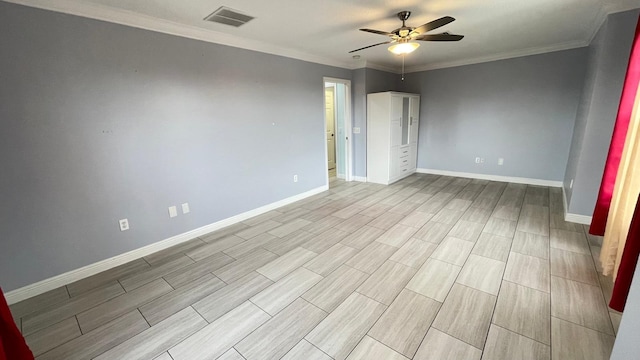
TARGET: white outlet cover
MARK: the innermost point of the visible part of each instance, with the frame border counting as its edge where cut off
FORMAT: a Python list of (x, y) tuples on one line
[(356, 130), (124, 224), (500, 161), (173, 212), (185, 208)]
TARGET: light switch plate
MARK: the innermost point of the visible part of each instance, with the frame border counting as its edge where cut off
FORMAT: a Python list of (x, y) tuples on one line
[(173, 212), (185, 208)]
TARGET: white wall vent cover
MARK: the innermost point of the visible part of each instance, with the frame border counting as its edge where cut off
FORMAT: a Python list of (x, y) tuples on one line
[(227, 16)]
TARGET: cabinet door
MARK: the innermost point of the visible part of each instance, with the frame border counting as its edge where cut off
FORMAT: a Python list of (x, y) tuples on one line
[(396, 120), (414, 112), (395, 133), (405, 121)]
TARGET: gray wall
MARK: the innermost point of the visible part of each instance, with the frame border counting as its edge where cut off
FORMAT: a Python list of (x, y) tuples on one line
[(607, 64), (367, 81), (521, 109), (102, 122)]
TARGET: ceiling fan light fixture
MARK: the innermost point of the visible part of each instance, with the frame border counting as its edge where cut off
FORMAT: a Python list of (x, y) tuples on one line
[(403, 48)]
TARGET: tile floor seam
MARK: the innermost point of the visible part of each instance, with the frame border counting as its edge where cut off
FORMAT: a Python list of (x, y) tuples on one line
[(549, 294), (578, 281), (258, 306), (310, 303), (445, 299), (198, 312), (495, 304), (145, 319), (430, 325), (582, 326), (383, 344), (515, 332)]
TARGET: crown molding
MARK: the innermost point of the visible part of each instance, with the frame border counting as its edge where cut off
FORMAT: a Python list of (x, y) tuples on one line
[(131, 19), (500, 56), (370, 65), (619, 7), (601, 17), (128, 18)]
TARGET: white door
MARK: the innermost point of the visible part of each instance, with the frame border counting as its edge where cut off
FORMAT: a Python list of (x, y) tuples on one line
[(329, 95)]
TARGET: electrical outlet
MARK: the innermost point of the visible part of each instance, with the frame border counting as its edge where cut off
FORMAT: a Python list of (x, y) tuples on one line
[(356, 130), (477, 160), (295, 178), (500, 161), (185, 208), (124, 224), (173, 212)]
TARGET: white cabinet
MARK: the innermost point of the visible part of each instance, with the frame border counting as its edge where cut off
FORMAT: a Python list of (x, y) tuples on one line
[(392, 136)]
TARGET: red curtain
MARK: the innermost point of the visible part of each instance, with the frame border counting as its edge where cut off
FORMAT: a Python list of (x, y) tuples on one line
[(601, 211), (12, 344)]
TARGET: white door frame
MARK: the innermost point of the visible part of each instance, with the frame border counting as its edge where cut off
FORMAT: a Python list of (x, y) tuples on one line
[(347, 126)]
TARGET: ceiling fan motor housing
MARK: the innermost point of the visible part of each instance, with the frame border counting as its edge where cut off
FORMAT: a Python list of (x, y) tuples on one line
[(407, 35)]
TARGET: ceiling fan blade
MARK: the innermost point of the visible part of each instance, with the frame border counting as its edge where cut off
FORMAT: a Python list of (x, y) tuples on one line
[(366, 47), (433, 25), (440, 37), (378, 32)]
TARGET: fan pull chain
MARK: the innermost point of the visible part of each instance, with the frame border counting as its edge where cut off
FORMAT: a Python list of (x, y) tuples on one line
[(403, 67)]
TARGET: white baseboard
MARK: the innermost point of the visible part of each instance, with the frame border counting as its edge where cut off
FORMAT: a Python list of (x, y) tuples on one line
[(360, 178), (575, 218), (511, 179), (40, 287), (579, 219)]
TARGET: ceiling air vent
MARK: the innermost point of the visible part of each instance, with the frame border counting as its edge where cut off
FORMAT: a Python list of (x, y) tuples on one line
[(227, 16)]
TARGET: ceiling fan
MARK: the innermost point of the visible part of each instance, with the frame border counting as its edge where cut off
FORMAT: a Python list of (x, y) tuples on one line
[(402, 37)]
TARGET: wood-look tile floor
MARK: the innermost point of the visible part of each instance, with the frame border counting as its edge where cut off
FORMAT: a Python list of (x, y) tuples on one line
[(430, 267)]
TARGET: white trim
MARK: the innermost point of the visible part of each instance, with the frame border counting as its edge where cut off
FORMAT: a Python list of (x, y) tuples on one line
[(51, 283), (597, 23), (500, 56), (347, 126), (565, 204), (580, 219), (360, 178), (612, 8), (511, 179), (369, 65), (128, 18), (575, 218)]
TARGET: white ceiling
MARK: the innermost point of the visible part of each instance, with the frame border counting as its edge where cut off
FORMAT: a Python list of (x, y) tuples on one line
[(325, 31)]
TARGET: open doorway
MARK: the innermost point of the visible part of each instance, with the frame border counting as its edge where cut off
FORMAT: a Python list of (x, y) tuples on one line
[(337, 105)]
